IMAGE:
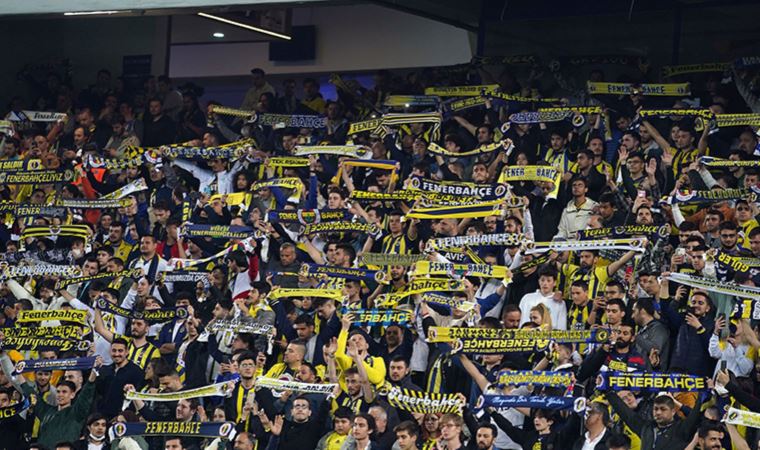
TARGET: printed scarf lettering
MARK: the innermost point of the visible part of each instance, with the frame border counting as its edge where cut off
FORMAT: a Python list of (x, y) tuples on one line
[(39, 344), (247, 326), (389, 259), (295, 386), (625, 231), (501, 239), (710, 285), (533, 173), (451, 303), (427, 268), (448, 334), (421, 285), (711, 196), (484, 191), (505, 144), (534, 377), (233, 150), (14, 410), (350, 273), (129, 273), (219, 389), (663, 90), (505, 402), (341, 227), (226, 232), (148, 315), (627, 244), (7, 271), (672, 71), (424, 402), (383, 317), (740, 417), (710, 161), (354, 151), (61, 315), (97, 203), (292, 121), (223, 430), (287, 161), (37, 177), (71, 332), (36, 116), (21, 165), (33, 365), (651, 382)]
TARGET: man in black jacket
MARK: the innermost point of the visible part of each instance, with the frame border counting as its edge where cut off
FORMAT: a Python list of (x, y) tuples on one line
[(110, 384), (546, 213), (665, 431), (302, 432)]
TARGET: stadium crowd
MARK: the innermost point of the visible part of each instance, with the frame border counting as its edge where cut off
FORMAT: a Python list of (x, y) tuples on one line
[(433, 262)]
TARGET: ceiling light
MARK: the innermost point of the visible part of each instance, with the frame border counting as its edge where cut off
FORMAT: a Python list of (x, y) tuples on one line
[(218, 35), (91, 13), (244, 25)]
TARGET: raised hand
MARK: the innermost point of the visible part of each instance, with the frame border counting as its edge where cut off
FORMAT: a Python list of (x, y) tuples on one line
[(276, 427)]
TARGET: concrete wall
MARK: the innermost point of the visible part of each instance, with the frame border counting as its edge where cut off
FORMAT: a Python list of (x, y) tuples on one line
[(349, 38), (89, 44)]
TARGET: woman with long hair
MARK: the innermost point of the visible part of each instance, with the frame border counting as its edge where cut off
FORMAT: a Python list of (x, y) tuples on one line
[(431, 432), (541, 317)]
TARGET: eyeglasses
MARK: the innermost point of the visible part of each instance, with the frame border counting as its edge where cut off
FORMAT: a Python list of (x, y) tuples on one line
[(247, 365)]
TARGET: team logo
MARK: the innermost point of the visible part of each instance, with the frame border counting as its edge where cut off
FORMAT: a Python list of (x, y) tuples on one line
[(119, 429)]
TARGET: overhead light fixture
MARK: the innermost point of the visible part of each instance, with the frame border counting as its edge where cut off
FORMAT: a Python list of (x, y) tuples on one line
[(244, 25), (218, 35), (92, 13)]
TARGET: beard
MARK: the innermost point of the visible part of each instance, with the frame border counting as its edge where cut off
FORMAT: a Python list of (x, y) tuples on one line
[(621, 345)]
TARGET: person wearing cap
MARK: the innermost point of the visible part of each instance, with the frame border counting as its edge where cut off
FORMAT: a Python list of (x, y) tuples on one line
[(260, 86)]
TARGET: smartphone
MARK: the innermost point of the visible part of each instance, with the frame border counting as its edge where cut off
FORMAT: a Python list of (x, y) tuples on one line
[(640, 193)]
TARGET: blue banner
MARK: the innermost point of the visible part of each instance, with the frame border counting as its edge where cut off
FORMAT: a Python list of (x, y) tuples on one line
[(33, 365)]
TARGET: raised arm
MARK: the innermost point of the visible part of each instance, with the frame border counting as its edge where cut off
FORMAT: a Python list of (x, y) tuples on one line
[(473, 371), (101, 329), (617, 265), (661, 141)]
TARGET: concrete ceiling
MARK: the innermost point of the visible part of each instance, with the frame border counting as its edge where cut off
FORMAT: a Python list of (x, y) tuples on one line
[(134, 7)]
